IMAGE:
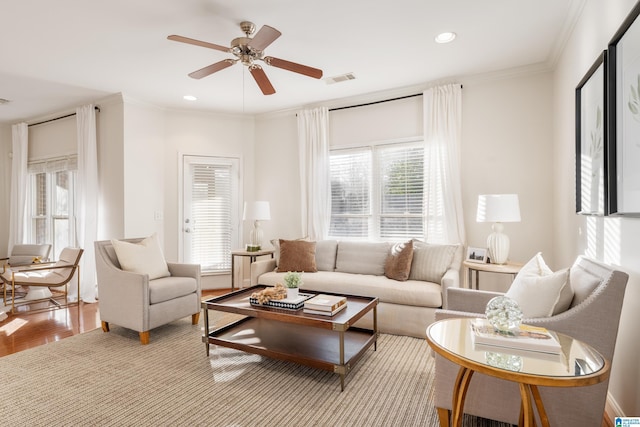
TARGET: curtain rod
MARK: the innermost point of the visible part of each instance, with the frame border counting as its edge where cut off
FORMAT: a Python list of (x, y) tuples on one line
[(59, 118), (378, 102)]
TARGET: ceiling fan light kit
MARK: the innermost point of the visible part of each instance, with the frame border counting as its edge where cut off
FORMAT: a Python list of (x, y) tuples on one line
[(247, 50)]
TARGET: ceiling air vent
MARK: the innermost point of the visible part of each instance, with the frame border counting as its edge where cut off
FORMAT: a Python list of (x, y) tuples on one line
[(340, 78), (4, 101)]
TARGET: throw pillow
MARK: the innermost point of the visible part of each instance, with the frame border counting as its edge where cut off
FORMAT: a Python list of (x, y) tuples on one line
[(398, 264), (539, 291), (431, 262), (297, 255), (144, 257), (276, 248)]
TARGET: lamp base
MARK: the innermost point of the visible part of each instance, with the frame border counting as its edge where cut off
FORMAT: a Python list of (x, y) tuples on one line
[(252, 248), (498, 244)]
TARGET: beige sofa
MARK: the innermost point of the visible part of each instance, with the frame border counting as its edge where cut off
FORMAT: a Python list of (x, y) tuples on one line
[(358, 268)]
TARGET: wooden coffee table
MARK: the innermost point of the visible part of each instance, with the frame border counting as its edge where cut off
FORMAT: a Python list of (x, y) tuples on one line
[(330, 343)]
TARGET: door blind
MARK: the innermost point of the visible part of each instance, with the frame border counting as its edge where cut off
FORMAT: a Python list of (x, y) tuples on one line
[(211, 216)]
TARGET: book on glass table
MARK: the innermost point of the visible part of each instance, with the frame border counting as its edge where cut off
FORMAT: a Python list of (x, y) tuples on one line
[(324, 312), (528, 338), (322, 302)]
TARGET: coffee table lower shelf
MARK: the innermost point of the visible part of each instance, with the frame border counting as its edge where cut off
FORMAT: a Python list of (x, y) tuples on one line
[(334, 351)]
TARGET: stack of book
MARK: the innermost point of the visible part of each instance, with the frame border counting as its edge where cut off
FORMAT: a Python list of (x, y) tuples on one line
[(325, 305), (527, 338)]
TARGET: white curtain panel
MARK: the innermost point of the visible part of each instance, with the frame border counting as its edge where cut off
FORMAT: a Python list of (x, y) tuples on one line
[(17, 205), (315, 187), (442, 132), (87, 201)]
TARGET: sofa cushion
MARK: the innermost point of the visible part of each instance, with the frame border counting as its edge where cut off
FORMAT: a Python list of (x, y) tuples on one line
[(411, 292), (362, 257), (539, 291), (398, 263), (169, 288), (431, 261), (144, 257), (326, 251), (297, 255)]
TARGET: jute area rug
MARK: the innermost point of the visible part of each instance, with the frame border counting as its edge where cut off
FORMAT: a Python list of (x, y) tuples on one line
[(109, 379)]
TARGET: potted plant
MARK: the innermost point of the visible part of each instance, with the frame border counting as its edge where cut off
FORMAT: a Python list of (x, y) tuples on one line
[(292, 281)]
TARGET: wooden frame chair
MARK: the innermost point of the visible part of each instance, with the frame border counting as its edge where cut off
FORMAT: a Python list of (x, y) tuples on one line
[(45, 275)]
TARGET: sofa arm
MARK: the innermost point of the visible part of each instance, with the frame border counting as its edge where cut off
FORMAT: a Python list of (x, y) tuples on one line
[(451, 279), (469, 300), (260, 267)]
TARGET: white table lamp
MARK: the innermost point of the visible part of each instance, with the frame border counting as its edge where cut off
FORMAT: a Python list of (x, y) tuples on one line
[(498, 208), (256, 212)]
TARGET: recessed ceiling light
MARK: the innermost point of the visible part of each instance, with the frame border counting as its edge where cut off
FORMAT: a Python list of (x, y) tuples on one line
[(189, 98), (445, 37)]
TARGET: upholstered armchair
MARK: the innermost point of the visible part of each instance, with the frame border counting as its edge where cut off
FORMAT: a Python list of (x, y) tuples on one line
[(137, 300), (592, 317)]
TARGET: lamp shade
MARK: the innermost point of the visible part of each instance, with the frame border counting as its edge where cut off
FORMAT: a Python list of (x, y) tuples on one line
[(498, 208), (259, 210)]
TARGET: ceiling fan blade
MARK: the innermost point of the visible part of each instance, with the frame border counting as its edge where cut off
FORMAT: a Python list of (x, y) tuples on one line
[(204, 72), (261, 78), (264, 37), (197, 43), (292, 66)]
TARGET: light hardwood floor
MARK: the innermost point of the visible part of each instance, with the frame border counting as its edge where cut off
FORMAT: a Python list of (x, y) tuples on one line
[(25, 330)]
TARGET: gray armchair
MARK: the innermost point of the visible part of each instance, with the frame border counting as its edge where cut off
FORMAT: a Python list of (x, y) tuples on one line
[(133, 301), (593, 317)]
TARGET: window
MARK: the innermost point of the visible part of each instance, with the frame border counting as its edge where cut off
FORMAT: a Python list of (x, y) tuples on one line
[(210, 206), (377, 192), (50, 204)]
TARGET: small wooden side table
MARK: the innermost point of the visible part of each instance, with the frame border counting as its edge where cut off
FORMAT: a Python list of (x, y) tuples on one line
[(509, 268), (451, 338), (253, 255)]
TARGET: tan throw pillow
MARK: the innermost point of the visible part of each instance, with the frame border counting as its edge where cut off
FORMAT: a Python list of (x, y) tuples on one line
[(431, 261), (297, 255), (398, 264)]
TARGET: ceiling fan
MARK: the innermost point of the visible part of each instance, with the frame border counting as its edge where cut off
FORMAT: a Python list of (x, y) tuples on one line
[(247, 50)]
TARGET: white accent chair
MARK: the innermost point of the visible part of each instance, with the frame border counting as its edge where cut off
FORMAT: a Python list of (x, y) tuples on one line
[(593, 318), (44, 276), (133, 301)]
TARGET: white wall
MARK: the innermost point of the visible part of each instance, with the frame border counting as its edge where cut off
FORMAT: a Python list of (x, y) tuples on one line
[(506, 148), (613, 240), (203, 134), (144, 174), (5, 186)]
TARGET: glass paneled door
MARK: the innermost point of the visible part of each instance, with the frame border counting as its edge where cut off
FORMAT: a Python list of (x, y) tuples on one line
[(210, 212)]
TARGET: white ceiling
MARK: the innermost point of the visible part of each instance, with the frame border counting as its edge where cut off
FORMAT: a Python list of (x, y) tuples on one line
[(60, 54)]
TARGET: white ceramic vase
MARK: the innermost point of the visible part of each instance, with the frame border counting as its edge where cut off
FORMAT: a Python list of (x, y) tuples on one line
[(292, 293)]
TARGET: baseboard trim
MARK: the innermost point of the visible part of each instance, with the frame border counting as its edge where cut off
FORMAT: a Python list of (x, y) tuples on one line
[(611, 410)]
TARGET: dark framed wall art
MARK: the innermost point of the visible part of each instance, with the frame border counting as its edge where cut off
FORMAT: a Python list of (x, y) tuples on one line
[(624, 124), (591, 146)]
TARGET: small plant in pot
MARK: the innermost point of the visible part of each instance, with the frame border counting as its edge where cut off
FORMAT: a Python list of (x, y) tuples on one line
[(292, 281)]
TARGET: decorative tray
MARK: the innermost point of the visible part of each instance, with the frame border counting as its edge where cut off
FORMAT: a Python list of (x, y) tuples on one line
[(288, 304)]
